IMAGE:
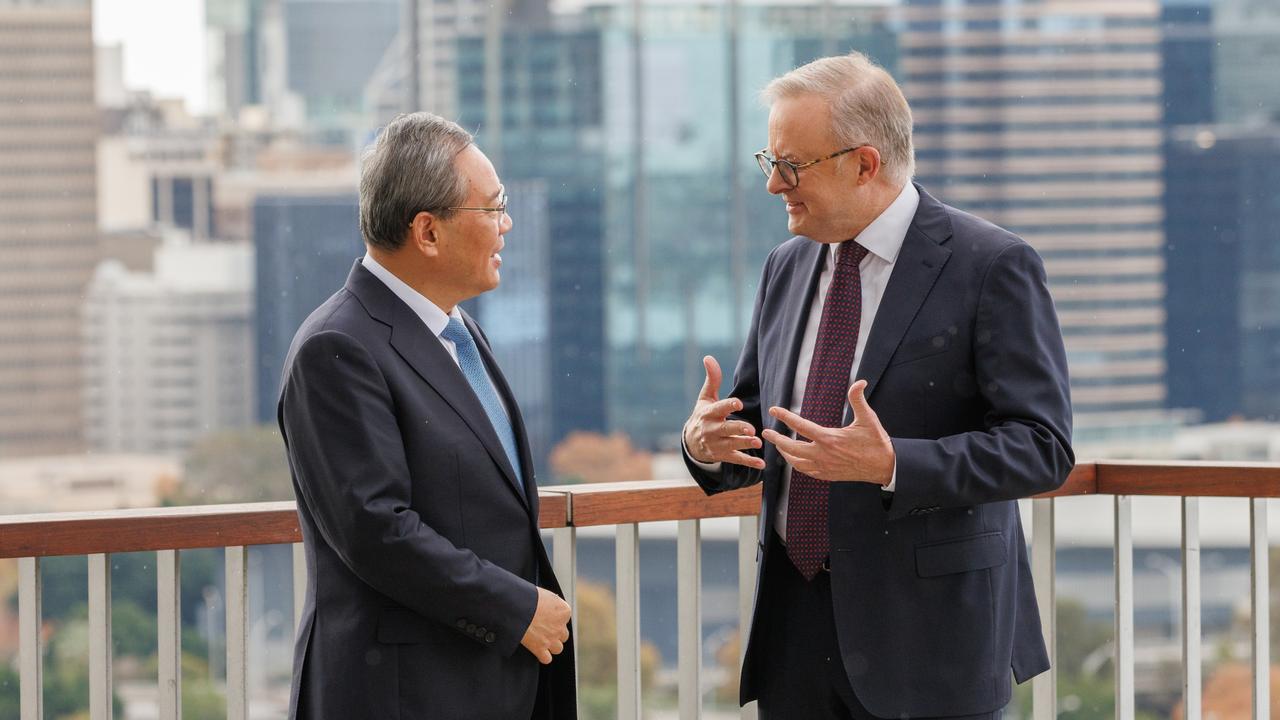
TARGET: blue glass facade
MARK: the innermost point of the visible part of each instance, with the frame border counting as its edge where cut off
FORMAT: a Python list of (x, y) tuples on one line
[(304, 246)]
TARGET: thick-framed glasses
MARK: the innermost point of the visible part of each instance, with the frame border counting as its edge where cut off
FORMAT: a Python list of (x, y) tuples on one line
[(788, 171)]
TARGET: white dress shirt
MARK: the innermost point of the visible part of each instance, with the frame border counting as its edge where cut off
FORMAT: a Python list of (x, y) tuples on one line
[(432, 316), (883, 239)]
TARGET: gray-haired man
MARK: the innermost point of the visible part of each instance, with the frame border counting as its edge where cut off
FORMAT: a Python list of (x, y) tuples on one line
[(903, 382), (429, 591)]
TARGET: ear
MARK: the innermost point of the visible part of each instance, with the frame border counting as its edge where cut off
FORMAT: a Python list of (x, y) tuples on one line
[(868, 164), (424, 234)]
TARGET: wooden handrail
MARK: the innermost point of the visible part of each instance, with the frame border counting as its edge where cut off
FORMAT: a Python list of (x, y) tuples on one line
[(205, 526)]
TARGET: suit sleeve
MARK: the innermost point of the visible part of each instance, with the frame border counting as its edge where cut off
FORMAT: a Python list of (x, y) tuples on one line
[(1021, 369), (746, 387), (346, 450)]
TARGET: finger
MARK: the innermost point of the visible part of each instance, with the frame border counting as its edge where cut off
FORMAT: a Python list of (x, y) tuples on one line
[(862, 412), (807, 428), (720, 410), (735, 442), (740, 428), (741, 458), (544, 657), (791, 445), (564, 635), (711, 387), (801, 464)]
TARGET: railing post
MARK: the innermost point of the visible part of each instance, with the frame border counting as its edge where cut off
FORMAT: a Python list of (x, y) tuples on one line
[(169, 633), (1124, 607), (30, 652), (628, 584), (689, 625), (1044, 688), (100, 636), (564, 560), (748, 554), (1259, 544), (1191, 608), (237, 633)]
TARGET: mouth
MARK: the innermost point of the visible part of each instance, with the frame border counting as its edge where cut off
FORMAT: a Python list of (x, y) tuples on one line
[(794, 207)]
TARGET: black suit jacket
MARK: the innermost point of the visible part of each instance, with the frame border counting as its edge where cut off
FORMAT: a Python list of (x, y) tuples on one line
[(422, 546), (966, 370)]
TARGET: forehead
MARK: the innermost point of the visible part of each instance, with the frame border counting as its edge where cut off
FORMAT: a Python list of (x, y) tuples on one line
[(473, 165), (799, 125)]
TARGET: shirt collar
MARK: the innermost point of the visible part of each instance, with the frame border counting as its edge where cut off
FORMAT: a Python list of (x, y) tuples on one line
[(432, 316), (885, 235)]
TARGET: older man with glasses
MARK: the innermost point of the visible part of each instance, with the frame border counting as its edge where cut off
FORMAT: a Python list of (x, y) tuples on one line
[(903, 383), (429, 592)]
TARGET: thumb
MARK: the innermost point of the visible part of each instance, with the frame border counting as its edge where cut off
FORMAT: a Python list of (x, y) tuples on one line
[(862, 412), (710, 388)]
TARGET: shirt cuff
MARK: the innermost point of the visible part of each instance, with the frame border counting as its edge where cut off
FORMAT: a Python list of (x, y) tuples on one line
[(893, 482), (709, 467)]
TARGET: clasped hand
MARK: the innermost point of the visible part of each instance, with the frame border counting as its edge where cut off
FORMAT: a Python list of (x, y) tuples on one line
[(858, 452), (549, 629)]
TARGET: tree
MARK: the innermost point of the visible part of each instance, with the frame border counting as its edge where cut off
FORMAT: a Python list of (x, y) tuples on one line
[(592, 457), (233, 466), (596, 647)]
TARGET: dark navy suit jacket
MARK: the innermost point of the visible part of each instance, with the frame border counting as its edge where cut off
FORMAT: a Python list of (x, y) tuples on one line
[(422, 546), (965, 366)]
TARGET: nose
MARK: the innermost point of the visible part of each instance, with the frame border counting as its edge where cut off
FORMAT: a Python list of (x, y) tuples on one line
[(775, 184), (505, 224)]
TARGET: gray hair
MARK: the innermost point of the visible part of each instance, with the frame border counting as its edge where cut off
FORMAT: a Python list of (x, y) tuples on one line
[(867, 106), (407, 170)]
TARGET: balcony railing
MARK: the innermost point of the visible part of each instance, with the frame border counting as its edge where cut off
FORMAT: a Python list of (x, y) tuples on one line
[(564, 509)]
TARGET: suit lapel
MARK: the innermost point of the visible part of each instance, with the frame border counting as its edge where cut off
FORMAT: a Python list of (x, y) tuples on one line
[(916, 270), (413, 341)]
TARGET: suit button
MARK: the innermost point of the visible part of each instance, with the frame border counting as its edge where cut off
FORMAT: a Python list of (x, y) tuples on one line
[(462, 623), (471, 628), (490, 638), (480, 632)]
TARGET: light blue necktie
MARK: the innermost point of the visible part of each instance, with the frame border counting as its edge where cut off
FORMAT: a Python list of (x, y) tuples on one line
[(473, 368)]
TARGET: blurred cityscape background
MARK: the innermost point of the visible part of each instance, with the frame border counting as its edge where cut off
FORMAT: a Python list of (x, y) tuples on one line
[(157, 255)]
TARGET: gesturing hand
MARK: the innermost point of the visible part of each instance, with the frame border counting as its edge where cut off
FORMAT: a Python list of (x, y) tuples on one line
[(859, 452), (549, 629), (710, 435)]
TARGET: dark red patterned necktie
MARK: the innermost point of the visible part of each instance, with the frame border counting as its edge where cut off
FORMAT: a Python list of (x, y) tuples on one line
[(825, 394)]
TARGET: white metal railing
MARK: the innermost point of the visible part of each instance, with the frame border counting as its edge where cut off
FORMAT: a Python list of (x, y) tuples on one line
[(625, 506)]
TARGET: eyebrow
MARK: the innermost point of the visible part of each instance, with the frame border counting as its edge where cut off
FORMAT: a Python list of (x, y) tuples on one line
[(497, 194)]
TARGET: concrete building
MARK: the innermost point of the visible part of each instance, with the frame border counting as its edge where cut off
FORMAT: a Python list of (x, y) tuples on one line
[(89, 483), (168, 355), (48, 219)]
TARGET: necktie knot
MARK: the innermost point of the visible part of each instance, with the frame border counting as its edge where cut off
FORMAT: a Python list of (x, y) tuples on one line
[(850, 253), (456, 332)]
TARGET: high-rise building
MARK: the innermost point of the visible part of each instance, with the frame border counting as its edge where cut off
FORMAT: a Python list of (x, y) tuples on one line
[(1246, 53), (1223, 260), (48, 219), (1187, 47), (1045, 118), (168, 354), (305, 241), (657, 214)]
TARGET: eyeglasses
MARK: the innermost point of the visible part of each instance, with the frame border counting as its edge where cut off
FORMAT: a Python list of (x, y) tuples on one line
[(501, 207), (789, 171)]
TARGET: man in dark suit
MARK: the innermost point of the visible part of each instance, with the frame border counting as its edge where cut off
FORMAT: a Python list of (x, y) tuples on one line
[(902, 384), (429, 592)]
